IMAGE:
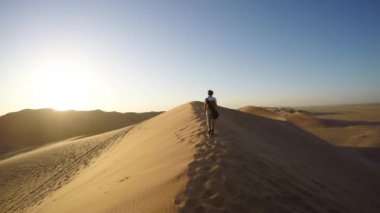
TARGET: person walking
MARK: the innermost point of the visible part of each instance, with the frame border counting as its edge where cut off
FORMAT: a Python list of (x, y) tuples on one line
[(211, 112)]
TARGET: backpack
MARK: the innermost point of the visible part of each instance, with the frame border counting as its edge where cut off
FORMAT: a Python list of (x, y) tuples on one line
[(214, 113)]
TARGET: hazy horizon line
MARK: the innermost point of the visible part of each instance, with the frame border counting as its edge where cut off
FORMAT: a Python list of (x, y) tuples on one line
[(110, 111)]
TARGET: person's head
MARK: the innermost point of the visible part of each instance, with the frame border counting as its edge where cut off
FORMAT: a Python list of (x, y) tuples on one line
[(210, 92)]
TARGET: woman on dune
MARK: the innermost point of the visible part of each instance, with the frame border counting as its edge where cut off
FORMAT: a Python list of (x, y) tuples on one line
[(210, 109)]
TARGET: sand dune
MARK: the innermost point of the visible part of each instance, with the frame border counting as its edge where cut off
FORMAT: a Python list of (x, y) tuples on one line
[(340, 125), (347, 125), (29, 128), (261, 165), (304, 120), (262, 112), (142, 173), (358, 112), (168, 164)]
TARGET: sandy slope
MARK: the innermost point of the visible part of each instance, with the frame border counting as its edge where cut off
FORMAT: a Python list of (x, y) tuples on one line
[(168, 164), (143, 173), (27, 178)]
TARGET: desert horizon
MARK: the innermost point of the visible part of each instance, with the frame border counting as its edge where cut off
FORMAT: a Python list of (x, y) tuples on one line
[(238, 107), (167, 163), (202, 106)]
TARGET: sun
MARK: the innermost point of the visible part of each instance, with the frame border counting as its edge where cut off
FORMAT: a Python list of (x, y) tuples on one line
[(62, 88)]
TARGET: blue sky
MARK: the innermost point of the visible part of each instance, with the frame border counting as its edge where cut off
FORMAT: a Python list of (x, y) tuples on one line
[(154, 55)]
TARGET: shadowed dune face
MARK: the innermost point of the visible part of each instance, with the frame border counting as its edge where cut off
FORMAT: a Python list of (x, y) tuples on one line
[(263, 165), (34, 127)]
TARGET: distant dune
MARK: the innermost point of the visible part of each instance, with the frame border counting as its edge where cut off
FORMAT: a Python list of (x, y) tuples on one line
[(346, 125), (304, 120), (28, 128), (168, 164), (340, 125), (262, 112)]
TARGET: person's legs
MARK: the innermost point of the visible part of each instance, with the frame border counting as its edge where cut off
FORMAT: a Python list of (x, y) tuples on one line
[(212, 125), (209, 121)]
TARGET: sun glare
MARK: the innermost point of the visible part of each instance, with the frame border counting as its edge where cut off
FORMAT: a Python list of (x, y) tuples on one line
[(62, 87)]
